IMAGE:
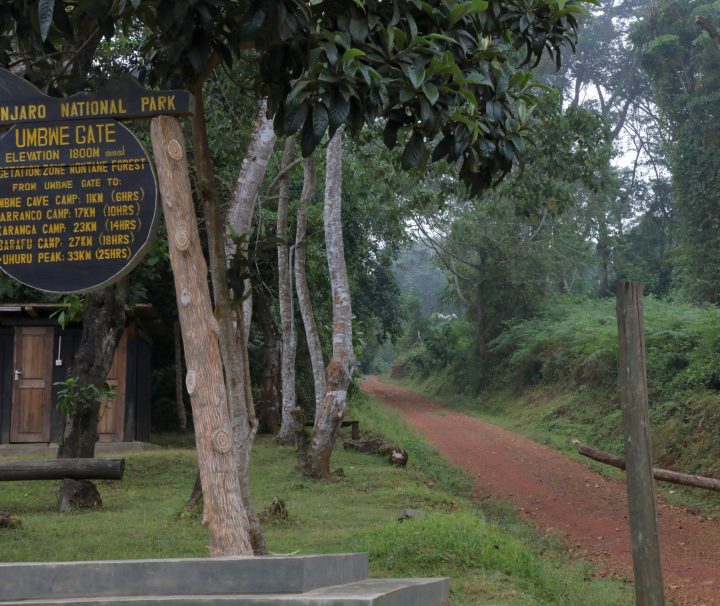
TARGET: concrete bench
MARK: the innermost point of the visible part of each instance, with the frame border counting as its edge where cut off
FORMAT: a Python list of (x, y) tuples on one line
[(313, 580)]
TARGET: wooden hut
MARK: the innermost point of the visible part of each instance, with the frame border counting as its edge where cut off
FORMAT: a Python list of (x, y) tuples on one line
[(36, 353)]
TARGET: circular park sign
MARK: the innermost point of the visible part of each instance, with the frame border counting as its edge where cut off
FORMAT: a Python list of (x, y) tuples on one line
[(78, 193), (78, 203)]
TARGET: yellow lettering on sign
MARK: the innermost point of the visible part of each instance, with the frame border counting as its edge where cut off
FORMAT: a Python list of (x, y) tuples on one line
[(48, 242), (42, 136), (18, 113), (36, 200), (53, 228), (24, 186), (16, 258), (95, 108), (49, 257), (57, 213), (158, 103), (89, 134)]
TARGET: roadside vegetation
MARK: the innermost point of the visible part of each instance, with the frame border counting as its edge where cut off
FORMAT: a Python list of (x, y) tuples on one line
[(490, 555), (554, 377)]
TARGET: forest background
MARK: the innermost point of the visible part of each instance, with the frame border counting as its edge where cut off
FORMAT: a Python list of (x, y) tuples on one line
[(509, 301), (506, 290)]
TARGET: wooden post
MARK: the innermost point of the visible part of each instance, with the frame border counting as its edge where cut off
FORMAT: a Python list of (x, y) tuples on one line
[(226, 516), (638, 451)]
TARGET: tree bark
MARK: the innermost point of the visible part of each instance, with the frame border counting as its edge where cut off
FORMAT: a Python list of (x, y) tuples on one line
[(244, 423), (195, 495), (268, 406), (103, 323), (179, 396), (288, 333), (59, 469), (301, 284), (339, 371), (242, 205), (227, 519)]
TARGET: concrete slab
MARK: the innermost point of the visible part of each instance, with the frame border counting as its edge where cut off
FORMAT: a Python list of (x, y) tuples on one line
[(187, 577), (371, 592)]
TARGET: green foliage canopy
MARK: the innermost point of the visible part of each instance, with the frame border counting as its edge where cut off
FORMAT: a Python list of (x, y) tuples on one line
[(432, 68), (682, 61)]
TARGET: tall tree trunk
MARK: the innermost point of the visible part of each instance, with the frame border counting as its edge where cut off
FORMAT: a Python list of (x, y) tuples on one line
[(603, 251), (339, 371), (268, 406), (301, 284), (103, 324), (244, 423), (227, 519), (103, 320), (242, 205), (179, 395), (288, 333)]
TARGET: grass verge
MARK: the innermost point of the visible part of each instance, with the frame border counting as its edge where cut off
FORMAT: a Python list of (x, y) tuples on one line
[(491, 556)]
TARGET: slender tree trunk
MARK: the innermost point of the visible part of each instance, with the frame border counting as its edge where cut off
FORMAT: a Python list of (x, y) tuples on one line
[(227, 519), (103, 320), (301, 284), (339, 371), (103, 323), (179, 395), (242, 205), (286, 434), (238, 222), (268, 406), (244, 423), (603, 251)]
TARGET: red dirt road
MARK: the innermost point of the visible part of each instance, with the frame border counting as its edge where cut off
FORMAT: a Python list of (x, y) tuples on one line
[(563, 496)]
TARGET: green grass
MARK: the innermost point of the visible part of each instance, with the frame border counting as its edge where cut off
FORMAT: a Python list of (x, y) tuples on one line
[(491, 556)]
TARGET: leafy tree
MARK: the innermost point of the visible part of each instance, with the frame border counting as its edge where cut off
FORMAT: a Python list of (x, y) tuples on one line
[(645, 251), (678, 43), (447, 69), (529, 237), (605, 77)]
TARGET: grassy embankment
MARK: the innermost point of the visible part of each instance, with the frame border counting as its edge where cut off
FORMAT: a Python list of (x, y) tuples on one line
[(557, 380), (491, 556)]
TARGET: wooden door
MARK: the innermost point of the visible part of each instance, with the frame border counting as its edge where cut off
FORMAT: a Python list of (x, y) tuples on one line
[(32, 384), (111, 426)]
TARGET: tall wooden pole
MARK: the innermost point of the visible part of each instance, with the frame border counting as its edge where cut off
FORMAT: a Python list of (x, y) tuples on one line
[(226, 515), (638, 450)]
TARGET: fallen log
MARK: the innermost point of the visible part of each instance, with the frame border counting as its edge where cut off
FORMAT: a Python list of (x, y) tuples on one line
[(60, 469), (664, 475), (395, 455)]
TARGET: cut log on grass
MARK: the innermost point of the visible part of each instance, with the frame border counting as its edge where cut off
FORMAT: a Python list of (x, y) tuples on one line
[(665, 475), (374, 446), (60, 469), (396, 455)]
